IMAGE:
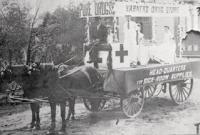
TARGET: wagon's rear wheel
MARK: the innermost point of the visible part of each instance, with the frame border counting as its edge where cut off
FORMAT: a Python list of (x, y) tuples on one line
[(181, 90), (132, 105), (94, 104)]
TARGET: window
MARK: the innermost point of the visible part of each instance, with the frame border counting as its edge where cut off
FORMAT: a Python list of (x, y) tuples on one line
[(146, 26)]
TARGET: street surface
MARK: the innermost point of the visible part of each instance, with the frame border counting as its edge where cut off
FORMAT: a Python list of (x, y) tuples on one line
[(159, 116)]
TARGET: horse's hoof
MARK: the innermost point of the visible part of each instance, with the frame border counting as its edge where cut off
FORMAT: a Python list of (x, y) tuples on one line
[(32, 126), (67, 119), (73, 118), (62, 133), (50, 132), (37, 127), (63, 129)]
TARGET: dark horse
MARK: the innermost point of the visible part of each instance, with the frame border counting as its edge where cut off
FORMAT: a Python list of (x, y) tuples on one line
[(44, 81)]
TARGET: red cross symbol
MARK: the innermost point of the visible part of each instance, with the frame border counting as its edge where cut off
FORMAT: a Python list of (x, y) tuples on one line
[(121, 53)]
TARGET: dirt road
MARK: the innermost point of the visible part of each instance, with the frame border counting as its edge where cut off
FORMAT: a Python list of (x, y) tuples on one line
[(159, 116)]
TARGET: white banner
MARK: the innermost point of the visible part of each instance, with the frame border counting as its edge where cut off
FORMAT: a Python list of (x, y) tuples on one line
[(104, 9), (150, 9)]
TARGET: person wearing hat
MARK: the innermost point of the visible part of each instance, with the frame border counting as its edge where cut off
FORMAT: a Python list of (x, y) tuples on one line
[(98, 36)]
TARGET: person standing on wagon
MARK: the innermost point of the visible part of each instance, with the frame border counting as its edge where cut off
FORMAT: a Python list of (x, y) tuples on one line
[(139, 38), (98, 36), (130, 39), (169, 45)]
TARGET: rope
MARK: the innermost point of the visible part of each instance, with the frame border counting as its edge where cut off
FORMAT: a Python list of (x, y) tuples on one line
[(34, 100)]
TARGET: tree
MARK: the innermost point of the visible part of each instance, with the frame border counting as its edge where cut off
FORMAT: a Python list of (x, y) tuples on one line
[(13, 31), (62, 27)]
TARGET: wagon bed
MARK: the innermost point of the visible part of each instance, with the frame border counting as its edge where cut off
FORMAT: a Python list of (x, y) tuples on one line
[(136, 84)]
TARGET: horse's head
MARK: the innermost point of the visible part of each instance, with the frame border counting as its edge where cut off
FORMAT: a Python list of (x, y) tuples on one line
[(41, 69), (15, 73), (42, 74)]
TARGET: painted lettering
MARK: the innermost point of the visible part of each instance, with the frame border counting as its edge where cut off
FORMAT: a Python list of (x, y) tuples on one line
[(157, 9), (148, 80), (104, 8), (162, 78), (172, 10)]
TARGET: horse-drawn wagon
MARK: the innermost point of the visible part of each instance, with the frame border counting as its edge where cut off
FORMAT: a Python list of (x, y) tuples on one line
[(138, 58), (138, 63)]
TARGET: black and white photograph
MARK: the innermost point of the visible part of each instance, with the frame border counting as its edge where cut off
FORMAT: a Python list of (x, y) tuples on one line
[(99, 67)]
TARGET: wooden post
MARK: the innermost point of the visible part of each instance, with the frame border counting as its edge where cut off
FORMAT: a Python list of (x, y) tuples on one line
[(180, 32), (197, 128), (88, 30)]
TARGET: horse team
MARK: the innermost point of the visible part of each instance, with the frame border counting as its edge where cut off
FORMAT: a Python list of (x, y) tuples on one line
[(44, 80)]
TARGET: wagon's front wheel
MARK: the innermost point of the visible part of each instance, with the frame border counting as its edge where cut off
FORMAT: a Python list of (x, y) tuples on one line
[(132, 105), (181, 90), (93, 104)]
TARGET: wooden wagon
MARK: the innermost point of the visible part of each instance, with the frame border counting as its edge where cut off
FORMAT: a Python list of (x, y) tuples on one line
[(156, 67)]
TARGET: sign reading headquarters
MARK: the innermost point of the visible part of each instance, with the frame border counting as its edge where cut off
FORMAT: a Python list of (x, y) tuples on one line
[(133, 9)]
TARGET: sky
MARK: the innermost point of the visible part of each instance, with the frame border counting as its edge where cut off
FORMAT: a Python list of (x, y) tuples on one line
[(47, 5), (50, 5)]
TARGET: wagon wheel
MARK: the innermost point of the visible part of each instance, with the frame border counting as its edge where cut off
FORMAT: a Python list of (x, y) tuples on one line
[(149, 91), (132, 105), (94, 104), (180, 91)]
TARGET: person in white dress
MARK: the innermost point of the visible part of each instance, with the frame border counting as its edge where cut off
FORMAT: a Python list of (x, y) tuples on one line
[(169, 46), (110, 35), (130, 42), (141, 54)]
